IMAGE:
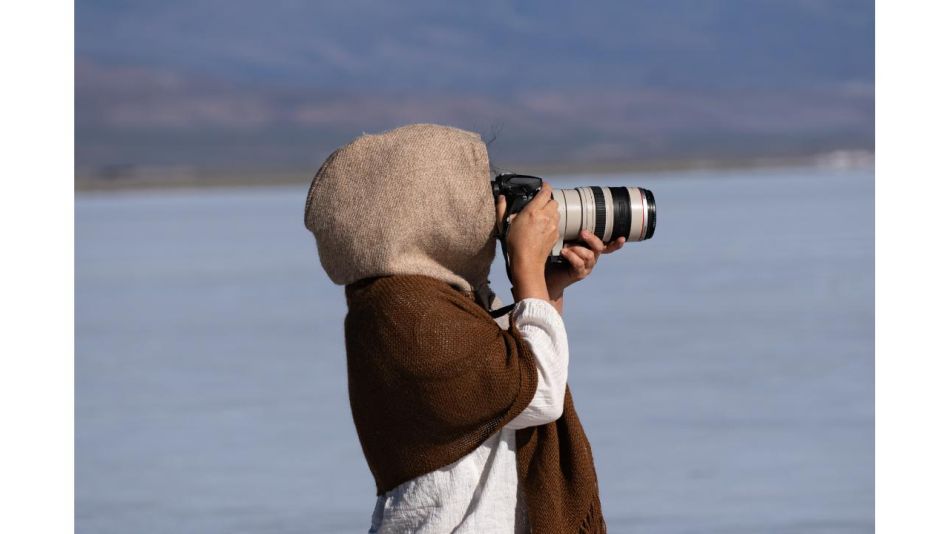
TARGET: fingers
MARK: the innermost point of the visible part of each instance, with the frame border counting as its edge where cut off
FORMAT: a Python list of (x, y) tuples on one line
[(544, 203), (615, 245), (586, 258), (583, 257), (577, 263), (540, 199), (593, 241), (535, 231), (587, 255), (598, 246)]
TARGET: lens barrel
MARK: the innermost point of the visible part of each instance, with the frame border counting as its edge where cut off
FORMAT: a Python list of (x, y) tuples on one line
[(607, 212), (651, 213)]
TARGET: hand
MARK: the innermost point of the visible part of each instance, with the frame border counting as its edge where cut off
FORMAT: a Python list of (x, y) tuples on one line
[(533, 231), (532, 234), (581, 261)]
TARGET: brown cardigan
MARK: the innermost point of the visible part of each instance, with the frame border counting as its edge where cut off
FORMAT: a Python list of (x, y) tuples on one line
[(432, 376)]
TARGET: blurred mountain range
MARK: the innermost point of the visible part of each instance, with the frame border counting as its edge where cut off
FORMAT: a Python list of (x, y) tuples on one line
[(226, 84)]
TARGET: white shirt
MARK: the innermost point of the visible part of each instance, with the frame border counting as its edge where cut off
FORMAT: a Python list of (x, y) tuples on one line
[(479, 493)]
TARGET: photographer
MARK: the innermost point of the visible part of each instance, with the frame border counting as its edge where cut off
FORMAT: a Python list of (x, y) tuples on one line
[(466, 422)]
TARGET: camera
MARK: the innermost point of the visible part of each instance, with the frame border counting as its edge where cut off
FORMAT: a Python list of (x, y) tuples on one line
[(607, 212)]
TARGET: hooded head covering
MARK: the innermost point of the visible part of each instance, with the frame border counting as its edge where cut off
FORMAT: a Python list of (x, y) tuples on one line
[(413, 200)]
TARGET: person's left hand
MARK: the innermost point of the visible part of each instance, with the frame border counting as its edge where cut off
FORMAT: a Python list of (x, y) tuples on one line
[(581, 261)]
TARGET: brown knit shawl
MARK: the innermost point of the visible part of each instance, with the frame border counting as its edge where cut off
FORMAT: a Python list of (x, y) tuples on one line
[(432, 376)]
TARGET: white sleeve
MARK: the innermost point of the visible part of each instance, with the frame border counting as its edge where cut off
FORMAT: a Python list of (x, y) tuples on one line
[(543, 328)]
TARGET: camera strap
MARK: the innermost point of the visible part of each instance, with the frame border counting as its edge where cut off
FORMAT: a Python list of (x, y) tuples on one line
[(504, 252)]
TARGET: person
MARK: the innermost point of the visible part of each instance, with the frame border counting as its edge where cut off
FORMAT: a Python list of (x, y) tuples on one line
[(466, 422)]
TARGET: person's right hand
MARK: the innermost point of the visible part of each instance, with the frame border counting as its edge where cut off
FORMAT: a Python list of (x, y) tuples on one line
[(533, 232)]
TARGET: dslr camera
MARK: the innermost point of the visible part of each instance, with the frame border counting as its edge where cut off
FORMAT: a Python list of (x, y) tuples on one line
[(607, 212)]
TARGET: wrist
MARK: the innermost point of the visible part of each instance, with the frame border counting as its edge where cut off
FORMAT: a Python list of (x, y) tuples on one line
[(556, 291), (528, 284), (557, 282), (526, 271)]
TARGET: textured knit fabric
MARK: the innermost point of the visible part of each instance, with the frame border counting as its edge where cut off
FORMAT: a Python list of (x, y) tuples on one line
[(414, 200), (432, 377), (479, 493)]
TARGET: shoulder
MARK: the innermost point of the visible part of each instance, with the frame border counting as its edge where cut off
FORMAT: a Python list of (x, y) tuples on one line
[(411, 299), (417, 320)]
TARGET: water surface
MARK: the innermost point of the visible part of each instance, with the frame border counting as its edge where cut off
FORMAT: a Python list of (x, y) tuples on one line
[(723, 370)]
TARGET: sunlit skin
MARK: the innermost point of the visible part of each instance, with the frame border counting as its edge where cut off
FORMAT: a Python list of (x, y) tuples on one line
[(581, 256)]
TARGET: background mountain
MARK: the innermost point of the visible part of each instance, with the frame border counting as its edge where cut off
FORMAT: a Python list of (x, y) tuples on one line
[(237, 83)]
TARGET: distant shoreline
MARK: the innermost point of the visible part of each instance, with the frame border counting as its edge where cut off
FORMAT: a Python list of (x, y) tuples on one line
[(127, 178)]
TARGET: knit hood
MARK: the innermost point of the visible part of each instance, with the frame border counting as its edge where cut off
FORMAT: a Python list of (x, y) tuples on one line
[(413, 200)]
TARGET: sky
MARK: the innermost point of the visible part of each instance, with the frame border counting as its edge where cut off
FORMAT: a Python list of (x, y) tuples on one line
[(280, 84)]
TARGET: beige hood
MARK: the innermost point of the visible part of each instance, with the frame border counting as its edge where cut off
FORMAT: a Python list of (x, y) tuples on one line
[(413, 200)]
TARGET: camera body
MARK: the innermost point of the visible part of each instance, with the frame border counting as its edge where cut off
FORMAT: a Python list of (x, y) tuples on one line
[(518, 189), (607, 212)]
